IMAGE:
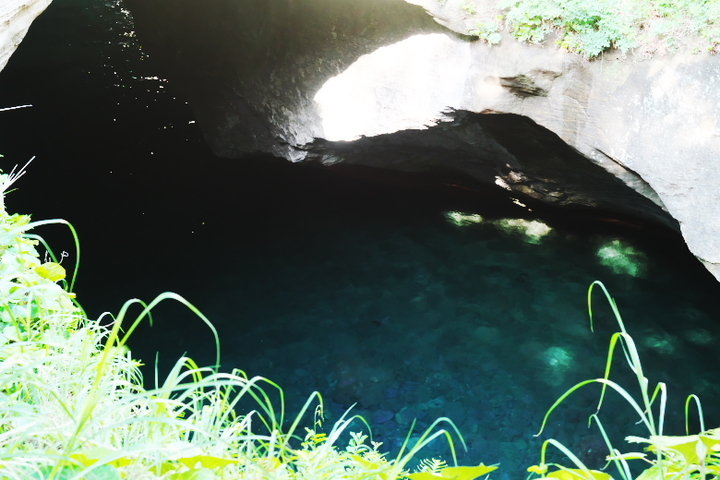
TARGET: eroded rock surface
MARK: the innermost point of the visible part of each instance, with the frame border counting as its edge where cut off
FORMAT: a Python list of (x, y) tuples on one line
[(301, 78), (16, 16)]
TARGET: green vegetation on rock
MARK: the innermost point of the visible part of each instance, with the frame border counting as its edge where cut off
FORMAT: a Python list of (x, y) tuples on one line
[(591, 27)]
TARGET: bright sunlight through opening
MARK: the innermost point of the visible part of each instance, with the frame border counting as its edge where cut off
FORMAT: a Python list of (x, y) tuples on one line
[(407, 85)]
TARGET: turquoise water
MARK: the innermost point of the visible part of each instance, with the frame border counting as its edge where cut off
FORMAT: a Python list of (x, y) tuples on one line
[(393, 308), (379, 290)]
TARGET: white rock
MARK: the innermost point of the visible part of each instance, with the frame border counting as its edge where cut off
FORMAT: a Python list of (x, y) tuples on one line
[(15, 19)]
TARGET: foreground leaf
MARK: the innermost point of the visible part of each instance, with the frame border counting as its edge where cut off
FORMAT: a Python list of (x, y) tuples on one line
[(455, 473)]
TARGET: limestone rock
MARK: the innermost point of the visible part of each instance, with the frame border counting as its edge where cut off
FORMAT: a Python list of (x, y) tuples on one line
[(379, 82), (251, 69), (15, 19)]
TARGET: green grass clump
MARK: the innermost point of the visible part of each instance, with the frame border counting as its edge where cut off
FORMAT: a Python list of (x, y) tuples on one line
[(73, 405), (591, 27), (669, 457)]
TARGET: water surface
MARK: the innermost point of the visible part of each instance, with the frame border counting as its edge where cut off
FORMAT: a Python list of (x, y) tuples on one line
[(361, 285)]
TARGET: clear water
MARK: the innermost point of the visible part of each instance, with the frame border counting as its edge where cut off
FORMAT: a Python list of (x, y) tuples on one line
[(354, 283)]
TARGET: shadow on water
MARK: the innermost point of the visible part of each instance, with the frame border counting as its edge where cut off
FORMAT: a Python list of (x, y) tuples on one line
[(349, 281)]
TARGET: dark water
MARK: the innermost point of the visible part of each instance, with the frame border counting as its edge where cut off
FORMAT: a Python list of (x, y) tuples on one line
[(346, 281)]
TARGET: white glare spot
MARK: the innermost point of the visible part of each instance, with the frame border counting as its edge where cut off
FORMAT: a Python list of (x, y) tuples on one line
[(533, 230), (558, 361), (355, 102), (500, 182), (461, 219), (622, 258)]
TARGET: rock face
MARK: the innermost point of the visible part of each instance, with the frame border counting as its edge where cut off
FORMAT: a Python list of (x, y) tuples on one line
[(379, 82), (15, 19), (251, 69)]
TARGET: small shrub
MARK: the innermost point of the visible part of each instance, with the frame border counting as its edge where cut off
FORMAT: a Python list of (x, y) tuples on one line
[(487, 31), (469, 7), (596, 26)]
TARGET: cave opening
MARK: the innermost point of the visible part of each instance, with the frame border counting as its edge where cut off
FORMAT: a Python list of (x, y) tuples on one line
[(412, 295)]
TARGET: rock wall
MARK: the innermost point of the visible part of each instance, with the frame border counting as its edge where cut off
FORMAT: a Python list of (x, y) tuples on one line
[(379, 82), (250, 69), (15, 19)]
